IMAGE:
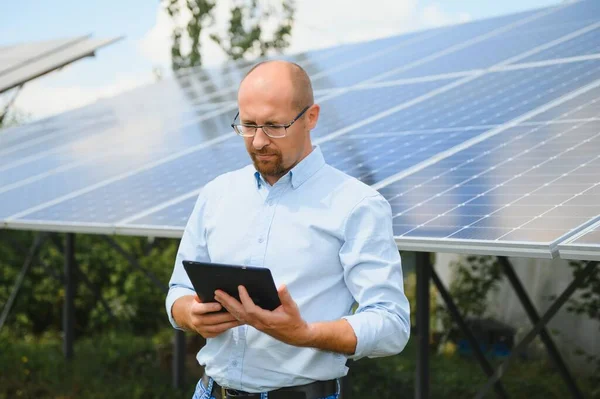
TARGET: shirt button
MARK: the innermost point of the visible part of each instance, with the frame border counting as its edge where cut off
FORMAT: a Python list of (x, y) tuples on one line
[(234, 363), (260, 240)]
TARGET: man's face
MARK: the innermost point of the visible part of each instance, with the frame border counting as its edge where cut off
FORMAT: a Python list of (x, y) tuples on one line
[(274, 157), (269, 101)]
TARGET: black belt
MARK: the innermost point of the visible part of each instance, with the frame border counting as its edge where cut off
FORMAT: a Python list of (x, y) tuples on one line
[(314, 390)]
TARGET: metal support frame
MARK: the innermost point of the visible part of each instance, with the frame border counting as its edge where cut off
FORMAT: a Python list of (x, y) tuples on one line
[(179, 359), (534, 317), (539, 326), (29, 260), (69, 302), (423, 272), (485, 365)]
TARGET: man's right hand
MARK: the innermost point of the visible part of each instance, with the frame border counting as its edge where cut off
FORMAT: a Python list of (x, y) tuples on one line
[(190, 313)]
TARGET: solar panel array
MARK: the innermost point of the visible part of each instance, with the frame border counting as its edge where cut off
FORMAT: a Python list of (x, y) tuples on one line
[(484, 137)]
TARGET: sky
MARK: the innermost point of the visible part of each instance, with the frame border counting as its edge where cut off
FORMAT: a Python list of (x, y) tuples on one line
[(145, 28)]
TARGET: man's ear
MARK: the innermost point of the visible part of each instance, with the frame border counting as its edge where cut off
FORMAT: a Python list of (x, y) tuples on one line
[(313, 116)]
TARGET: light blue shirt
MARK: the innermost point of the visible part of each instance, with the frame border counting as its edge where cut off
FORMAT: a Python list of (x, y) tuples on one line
[(324, 234)]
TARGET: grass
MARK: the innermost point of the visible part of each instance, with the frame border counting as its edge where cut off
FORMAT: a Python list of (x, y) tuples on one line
[(120, 365)]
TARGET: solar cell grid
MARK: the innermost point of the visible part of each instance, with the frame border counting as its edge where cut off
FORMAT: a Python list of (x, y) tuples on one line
[(493, 98), (586, 44), (499, 48), (521, 187)]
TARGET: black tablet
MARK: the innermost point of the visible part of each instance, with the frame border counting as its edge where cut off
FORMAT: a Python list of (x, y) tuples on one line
[(209, 277)]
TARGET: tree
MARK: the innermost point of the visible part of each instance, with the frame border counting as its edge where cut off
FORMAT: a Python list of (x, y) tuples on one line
[(245, 36)]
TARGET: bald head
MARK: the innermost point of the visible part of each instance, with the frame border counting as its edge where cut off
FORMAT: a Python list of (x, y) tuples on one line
[(283, 75)]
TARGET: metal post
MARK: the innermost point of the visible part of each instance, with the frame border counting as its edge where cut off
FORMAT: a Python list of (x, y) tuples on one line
[(69, 302), (535, 318), (179, 359), (423, 271), (564, 297), (485, 365)]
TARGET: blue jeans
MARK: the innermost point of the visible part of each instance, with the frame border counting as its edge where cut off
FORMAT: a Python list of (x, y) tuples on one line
[(203, 392)]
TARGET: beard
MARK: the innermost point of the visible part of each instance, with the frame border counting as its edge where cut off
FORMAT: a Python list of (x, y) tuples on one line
[(272, 167)]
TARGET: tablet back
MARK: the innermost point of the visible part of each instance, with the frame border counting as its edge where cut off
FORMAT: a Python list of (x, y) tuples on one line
[(209, 277)]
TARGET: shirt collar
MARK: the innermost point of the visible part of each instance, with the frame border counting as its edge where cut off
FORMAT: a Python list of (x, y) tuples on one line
[(301, 172)]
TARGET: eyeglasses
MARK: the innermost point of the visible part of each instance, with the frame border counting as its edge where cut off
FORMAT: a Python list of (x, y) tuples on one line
[(273, 131)]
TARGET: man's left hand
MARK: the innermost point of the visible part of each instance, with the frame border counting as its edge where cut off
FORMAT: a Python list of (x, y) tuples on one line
[(283, 323)]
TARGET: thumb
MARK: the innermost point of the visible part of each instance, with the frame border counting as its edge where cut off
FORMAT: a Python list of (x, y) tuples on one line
[(197, 299), (285, 297)]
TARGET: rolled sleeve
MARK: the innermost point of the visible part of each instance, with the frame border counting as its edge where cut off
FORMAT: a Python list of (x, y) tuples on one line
[(191, 247), (373, 274)]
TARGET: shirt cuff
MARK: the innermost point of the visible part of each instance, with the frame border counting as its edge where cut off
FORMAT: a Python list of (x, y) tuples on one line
[(174, 294), (364, 324)]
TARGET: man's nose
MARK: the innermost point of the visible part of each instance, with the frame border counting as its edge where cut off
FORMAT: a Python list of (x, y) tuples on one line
[(260, 139)]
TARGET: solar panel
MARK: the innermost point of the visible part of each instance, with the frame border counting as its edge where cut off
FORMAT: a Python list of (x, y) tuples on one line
[(519, 192), (14, 56), (583, 246), (24, 65)]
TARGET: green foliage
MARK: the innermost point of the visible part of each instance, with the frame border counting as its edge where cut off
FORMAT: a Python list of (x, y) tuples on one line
[(453, 377), (586, 301), (201, 11), (245, 35), (123, 365), (243, 39), (130, 301), (105, 366), (475, 278)]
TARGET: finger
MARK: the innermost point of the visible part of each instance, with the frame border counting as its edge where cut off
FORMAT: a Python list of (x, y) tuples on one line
[(249, 305), (219, 328), (203, 308), (286, 298), (231, 304), (245, 298), (212, 319), (197, 299)]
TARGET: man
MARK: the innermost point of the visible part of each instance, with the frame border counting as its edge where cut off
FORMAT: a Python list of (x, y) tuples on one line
[(327, 239)]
